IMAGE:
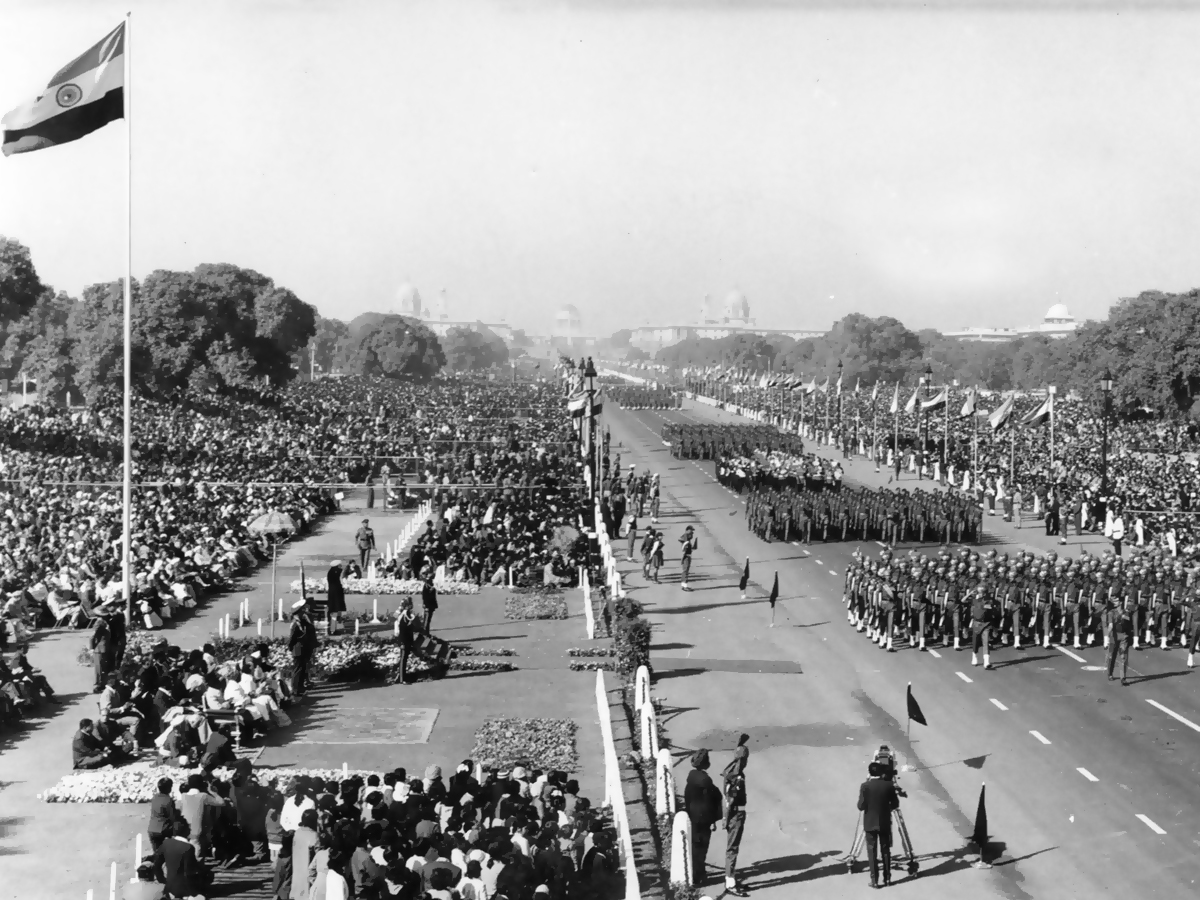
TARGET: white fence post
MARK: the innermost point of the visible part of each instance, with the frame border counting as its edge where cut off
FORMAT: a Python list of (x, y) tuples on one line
[(649, 732), (664, 801), (614, 796), (681, 848), (588, 614), (641, 688)]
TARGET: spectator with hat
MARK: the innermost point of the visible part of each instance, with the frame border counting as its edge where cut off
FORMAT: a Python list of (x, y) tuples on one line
[(702, 803)]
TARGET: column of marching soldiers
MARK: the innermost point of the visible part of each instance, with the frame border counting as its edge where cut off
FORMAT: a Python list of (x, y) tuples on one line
[(958, 596), (1024, 601)]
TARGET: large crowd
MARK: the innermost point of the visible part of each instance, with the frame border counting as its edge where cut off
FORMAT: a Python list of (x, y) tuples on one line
[(503, 476)]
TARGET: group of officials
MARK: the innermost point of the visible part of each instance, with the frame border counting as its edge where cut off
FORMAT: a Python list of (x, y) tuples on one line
[(1023, 601)]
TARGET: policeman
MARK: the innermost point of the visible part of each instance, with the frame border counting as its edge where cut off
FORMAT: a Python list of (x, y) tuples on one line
[(734, 776), (689, 543)]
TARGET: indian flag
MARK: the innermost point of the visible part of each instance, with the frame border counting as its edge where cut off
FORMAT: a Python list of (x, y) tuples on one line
[(86, 94)]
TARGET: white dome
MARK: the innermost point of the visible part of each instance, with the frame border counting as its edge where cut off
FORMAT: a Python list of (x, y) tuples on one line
[(737, 306), (1059, 311), (408, 301)]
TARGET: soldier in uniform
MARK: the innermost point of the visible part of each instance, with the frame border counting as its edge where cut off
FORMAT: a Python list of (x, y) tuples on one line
[(1191, 620), (982, 617), (1121, 627), (689, 542)]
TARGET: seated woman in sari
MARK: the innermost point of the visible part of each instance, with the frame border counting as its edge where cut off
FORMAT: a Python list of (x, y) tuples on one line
[(260, 707)]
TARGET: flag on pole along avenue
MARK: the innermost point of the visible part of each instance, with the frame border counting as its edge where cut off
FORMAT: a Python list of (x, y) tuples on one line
[(875, 392), (1039, 416), (895, 400), (839, 384), (914, 708), (823, 387), (745, 579), (968, 407), (912, 401), (999, 418), (774, 591), (935, 403), (84, 95)]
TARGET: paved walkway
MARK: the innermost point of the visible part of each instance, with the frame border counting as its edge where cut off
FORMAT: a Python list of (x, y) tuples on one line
[(817, 699), (331, 729)]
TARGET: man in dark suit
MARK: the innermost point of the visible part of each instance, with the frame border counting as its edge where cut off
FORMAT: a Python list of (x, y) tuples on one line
[(702, 802), (175, 864), (876, 799)]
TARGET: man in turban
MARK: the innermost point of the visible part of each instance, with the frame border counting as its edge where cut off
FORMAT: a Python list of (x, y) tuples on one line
[(702, 801)]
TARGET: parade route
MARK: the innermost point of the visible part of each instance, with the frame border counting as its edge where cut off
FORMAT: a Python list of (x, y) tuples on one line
[(1092, 787)]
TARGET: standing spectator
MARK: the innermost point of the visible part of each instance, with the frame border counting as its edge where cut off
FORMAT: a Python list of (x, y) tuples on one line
[(876, 800), (103, 652), (429, 602), (178, 866), (364, 540), (163, 813), (1117, 533), (194, 805), (406, 628), (335, 594), (302, 643), (304, 847), (702, 802), (631, 537), (281, 884)]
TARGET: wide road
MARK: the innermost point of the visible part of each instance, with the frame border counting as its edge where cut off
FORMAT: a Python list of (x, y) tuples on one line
[(1092, 788)]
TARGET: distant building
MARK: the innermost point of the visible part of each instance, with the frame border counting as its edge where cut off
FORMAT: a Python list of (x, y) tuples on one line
[(409, 303), (715, 321), (1057, 323)]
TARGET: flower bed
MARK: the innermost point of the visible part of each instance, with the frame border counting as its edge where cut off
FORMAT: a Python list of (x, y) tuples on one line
[(139, 784), (344, 659), (591, 651), (535, 606), (540, 743), (592, 666), (467, 650), (385, 586)]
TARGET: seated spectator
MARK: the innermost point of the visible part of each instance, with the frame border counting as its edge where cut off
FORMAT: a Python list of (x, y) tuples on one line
[(143, 886), (90, 750)]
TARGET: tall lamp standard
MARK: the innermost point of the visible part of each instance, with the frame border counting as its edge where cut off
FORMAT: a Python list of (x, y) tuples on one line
[(1106, 385), (928, 381), (589, 383), (841, 429)]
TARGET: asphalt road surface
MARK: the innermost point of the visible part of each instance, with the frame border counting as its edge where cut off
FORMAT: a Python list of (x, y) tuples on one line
[(1093, 789)]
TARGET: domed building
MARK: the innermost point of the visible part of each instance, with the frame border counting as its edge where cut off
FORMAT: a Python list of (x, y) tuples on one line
[(567, 322), (408, 302), (1057, 323), (737, 309)]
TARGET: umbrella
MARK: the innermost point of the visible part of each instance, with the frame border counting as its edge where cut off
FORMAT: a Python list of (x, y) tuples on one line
[(273, 522)]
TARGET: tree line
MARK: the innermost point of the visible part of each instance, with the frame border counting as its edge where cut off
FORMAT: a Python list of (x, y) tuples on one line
[(217, 329), (1150, 344)]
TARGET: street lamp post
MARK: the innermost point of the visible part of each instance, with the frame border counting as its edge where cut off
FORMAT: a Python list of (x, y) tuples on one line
[(589, 380), (928, 381), (1106, 385), (841, 428)]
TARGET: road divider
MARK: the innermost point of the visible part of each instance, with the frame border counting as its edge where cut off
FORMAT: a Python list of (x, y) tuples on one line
[(1149, 823)]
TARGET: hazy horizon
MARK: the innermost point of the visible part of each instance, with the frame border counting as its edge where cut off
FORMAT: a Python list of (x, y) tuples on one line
[(950, 168)]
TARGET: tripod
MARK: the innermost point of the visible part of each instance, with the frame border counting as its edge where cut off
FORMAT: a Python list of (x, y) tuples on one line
[(860, 838)]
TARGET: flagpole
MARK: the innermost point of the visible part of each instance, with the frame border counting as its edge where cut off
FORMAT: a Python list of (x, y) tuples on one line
[(1052, 392), (946, 437), (126, 487)]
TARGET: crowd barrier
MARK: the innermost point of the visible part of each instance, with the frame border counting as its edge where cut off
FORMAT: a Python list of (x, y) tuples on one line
[(614, 795)]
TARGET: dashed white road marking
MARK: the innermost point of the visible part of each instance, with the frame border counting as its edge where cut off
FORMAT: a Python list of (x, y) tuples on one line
[(1074, 656), (1041, 737), (1174, 715), (819, 563), (964, 677), (1086, 774), (881, 543), (1000, 706), (934, 653), (831, 572), (1150, 823)]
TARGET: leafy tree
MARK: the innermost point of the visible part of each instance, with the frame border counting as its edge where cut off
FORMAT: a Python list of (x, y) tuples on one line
[(636, 354), (472, 349), (393, 347), (20, 286), (39, 344), (218, 328), (322, 348), (621, 338)]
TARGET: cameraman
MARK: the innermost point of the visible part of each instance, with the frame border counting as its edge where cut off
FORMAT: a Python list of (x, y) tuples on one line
[(877, 797)]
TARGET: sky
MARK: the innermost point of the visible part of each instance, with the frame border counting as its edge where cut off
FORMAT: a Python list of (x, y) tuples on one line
[(954, 166)]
